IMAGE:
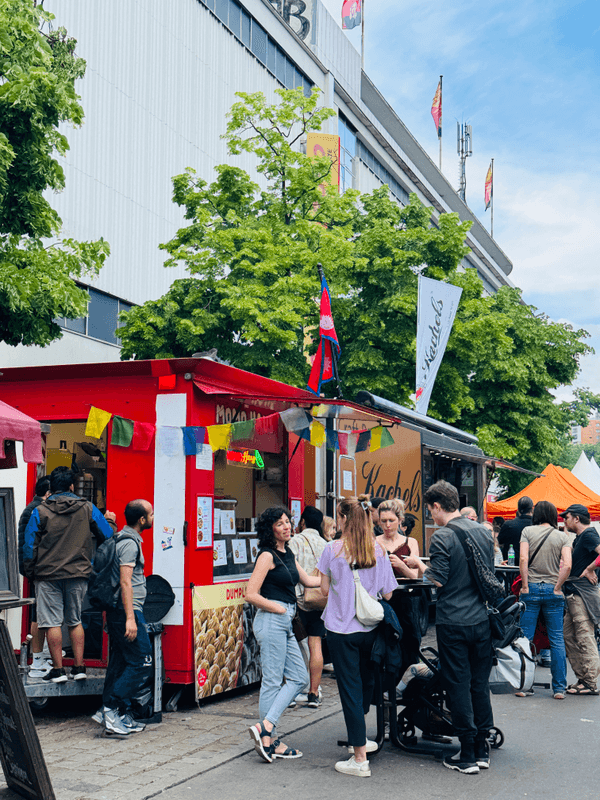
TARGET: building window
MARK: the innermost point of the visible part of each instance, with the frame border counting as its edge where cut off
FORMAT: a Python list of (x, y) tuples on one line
[(247, 30), (102, 319), (385, 176), (347, 136)]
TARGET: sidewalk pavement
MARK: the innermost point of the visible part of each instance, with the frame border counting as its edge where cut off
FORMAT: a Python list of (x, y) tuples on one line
[(83, 765)]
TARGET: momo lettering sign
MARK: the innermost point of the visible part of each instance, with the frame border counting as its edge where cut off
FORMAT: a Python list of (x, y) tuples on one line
[(438, 302), (297, 13)]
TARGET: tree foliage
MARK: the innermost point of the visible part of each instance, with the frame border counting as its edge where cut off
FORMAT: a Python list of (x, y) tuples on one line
[(252, 252), (37, 77)]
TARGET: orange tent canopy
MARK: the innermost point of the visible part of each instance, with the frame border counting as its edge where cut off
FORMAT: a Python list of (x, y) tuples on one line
[(557, 485)]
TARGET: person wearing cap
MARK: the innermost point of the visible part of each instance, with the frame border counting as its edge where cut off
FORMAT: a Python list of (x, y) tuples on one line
[(582, 611)]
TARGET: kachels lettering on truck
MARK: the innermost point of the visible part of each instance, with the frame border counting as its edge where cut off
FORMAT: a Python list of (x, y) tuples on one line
[(411, 497), (436, 332)]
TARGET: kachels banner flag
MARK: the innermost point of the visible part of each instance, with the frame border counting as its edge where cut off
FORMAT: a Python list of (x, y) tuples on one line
[(351, 13), (436, 109), (489, 187), (437, 306), (323, 369)]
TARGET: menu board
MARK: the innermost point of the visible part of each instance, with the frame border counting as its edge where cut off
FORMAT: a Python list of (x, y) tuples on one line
[(22, 760)]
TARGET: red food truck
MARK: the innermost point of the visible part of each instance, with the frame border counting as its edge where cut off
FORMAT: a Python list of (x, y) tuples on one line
[(206, 443)]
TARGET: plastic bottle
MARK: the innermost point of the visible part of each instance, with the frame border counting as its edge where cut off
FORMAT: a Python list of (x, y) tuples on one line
[(511, 556)]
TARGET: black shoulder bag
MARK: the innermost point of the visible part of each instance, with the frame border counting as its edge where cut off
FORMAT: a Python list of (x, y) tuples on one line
[(490, 588)]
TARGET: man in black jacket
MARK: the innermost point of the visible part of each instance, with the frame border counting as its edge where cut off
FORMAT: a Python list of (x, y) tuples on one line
[(463, 629), (40, 665), (510, 532)]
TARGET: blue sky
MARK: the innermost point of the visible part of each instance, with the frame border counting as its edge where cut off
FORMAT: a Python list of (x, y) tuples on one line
[(525, 75)]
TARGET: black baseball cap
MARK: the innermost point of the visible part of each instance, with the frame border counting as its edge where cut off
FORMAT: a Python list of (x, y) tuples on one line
[(576, 508)]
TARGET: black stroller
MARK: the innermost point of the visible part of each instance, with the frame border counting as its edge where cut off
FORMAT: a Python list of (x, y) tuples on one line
[(425, 708)]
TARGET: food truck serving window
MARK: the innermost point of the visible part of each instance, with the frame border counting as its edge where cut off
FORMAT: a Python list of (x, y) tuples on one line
[(247, 481), (68, 446)]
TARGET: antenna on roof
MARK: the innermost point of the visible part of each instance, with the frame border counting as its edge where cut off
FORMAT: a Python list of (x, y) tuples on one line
[(464, 148)]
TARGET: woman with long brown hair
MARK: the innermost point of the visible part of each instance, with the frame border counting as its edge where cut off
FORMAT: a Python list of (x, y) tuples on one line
[(350, 643)]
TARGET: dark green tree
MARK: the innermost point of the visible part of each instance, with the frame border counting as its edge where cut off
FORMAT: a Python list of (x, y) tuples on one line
[(37, 267), (252, 252)]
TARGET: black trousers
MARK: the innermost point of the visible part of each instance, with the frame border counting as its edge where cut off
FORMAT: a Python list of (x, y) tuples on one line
[(465, 663), (351, 657)]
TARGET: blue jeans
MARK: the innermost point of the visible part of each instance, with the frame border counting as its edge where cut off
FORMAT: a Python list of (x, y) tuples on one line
[(280, 658), (129, 663), (541, 595)]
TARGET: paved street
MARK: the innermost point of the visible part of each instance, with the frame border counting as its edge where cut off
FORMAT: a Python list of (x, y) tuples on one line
[(550, 749)]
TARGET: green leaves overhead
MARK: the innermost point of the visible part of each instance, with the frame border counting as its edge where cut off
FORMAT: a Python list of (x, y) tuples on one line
[(37, 75), (251, 252)]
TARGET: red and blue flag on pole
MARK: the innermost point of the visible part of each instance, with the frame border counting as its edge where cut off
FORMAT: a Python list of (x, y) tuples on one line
[(324, 368)]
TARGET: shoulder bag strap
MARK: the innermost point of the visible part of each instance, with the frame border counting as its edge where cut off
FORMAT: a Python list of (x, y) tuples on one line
[(462, 538), (538, 548)]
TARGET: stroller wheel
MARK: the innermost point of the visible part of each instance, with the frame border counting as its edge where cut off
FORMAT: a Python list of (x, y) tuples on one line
[(496, 738)]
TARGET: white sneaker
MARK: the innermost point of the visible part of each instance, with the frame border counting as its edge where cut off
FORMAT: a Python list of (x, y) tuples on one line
[(302, 697), (114, 725), (350, 767), (39, 669), (99, 716), (371, 747)]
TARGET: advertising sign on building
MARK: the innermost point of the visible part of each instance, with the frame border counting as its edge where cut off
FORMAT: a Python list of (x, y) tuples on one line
[(325, 144), (297, 13)]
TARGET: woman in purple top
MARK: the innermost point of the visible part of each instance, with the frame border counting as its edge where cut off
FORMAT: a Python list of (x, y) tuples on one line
[(350, 642)]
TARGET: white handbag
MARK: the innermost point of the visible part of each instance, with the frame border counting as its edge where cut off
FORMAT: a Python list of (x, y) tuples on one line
[(369, 611), (516, 666)]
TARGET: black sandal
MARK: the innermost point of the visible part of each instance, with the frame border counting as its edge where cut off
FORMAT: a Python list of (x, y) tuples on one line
[(289, 752), (257, 732)]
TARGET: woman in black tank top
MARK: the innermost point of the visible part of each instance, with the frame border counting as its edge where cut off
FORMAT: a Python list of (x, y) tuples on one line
[(271, 589)]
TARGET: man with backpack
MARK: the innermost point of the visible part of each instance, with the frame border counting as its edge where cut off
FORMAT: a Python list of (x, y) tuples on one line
[(464, 636), (57, 553), (130, 658)]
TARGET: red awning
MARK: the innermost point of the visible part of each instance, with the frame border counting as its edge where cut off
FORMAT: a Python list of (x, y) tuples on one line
[(16, 426)]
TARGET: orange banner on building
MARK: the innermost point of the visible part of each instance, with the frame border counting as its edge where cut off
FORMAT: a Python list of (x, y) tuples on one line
[(326, 144)]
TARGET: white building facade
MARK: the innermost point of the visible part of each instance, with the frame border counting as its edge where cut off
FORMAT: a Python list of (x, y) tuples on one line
[(160, 79)]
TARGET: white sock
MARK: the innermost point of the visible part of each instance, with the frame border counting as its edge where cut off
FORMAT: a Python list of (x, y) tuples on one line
[(38, 659)]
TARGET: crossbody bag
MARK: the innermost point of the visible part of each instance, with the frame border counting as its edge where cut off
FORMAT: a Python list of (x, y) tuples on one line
[(312, 597)]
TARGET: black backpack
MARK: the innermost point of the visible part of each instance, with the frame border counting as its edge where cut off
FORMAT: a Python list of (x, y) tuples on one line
[(104, 587)]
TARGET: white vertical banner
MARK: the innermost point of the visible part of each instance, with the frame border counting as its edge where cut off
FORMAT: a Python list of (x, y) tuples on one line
[(436, 310)]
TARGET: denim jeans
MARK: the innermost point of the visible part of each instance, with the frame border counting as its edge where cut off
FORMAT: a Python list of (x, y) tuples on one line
[(280, 658), (541, 595), (129, 663)]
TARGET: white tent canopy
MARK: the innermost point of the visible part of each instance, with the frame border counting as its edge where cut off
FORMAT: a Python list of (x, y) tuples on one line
[(585, 471)]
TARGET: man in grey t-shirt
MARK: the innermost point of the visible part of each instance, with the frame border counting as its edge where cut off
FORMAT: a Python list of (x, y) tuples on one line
[(463, 629), (130, 660)]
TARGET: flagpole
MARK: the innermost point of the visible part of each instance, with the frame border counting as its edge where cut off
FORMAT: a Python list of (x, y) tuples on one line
[(362, 39), (492, 202), (440, 127)]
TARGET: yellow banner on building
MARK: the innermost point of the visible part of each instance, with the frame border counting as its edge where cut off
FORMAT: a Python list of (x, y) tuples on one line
[(326, 144)]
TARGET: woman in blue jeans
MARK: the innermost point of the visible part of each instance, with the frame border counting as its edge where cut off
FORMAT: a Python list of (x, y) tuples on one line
[(271, 589), (545, 564)]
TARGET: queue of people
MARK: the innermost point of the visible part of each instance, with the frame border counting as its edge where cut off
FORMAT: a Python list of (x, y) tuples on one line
[(372, 542), (58, 533)]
